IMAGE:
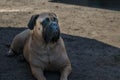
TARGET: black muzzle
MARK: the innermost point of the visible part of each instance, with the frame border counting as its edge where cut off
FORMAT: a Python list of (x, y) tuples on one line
[(51, 32)]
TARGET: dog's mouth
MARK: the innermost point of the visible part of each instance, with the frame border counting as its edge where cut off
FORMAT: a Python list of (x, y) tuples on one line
[(51, 32)]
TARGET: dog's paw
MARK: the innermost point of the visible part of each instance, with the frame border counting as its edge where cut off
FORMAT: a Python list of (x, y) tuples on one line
[(10, 53)]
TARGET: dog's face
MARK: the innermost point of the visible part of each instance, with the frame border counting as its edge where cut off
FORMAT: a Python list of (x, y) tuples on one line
[(47, 25)]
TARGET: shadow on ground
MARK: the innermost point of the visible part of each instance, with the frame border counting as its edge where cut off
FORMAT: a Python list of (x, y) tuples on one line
[(104, 4), (91, 59)]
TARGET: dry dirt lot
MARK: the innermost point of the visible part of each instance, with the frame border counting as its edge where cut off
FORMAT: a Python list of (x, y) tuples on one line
[(91, 35)]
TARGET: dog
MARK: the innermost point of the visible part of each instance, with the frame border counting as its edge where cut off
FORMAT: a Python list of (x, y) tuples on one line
[(42, 46)]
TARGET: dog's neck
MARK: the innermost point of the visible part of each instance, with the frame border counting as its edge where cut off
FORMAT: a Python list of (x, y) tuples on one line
[(38, 40)]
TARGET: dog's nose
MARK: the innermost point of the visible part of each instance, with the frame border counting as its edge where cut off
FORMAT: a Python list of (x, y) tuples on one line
[(55, 27)]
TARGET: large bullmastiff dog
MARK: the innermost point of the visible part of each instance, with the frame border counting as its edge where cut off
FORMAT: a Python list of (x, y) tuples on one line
[(42, 46)]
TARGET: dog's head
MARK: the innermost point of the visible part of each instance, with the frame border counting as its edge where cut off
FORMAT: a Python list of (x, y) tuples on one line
[(47, 25)]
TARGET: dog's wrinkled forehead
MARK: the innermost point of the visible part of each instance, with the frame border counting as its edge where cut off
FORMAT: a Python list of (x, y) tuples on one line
[(43, 16)]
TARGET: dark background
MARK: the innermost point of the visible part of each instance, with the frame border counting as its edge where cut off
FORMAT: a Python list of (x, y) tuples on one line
[(105, 4)]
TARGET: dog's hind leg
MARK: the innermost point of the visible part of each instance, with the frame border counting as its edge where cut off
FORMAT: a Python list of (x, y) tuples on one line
[(15, 48), (18, 43)]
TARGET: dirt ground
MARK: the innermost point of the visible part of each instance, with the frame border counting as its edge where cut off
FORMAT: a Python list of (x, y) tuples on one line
[(91, 35)]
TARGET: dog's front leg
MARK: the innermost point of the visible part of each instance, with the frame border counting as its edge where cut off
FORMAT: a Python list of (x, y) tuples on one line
[(37, 73), (65, 72)]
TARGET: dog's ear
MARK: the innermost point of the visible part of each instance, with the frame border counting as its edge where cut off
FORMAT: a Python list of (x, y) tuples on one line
[(32, 21)]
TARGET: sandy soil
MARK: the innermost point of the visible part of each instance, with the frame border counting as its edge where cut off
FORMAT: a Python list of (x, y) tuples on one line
[(91, 35)]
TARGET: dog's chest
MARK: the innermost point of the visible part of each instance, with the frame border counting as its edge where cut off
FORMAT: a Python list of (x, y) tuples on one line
[(47, 55)]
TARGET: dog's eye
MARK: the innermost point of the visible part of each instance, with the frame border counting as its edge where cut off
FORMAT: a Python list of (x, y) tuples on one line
[(45, 22), (55, 19)]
